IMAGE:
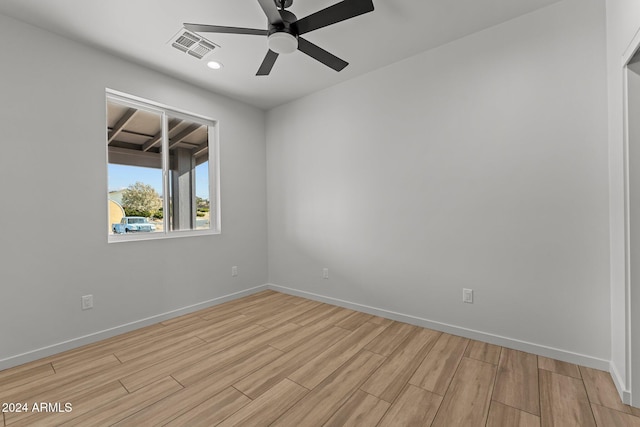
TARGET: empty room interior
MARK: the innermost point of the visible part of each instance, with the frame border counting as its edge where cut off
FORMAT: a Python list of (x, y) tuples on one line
[(301, 213)]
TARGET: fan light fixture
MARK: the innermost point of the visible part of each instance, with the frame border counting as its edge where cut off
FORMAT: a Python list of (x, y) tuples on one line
[(283, 43)]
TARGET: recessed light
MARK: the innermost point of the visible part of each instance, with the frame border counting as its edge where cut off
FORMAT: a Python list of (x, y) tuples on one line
[(214, 65)]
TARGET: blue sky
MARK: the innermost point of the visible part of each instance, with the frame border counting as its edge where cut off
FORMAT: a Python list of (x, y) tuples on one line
[(120, 177)]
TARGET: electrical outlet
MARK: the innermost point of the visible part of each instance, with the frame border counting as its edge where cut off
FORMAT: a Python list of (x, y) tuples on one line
[(87, 302), (234, 270), (325, 273), (467, 296)]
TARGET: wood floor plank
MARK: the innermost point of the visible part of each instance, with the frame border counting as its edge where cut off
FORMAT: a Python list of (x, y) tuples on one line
[(483, 351), (111, 412), (94, 372), (501, 415), (158, 333), (320, 404), (258, 313), (73, 393), (81, 404), (191, 374), (315, 313), (281, 317), (106, 346), (305, 333), (378, 320), (268, 407), (361, 410), (184, 320), (264, 378), (391, 338), (610, 417), (466, 403), (389, 380), (354, 320), (324, 364), (563, 401), (24, 368), (27, 391), (266, 309), (221, 326), (235, 337), (233, 307), (517, 381), (190, 397), (194, 363), (559, 367), (320, 313), (158, 348), (141, 376), (212, 411), (438, 367), (89, 365), (601, 390), (635, 411), (150, 333), (17, 377), (414, 407)]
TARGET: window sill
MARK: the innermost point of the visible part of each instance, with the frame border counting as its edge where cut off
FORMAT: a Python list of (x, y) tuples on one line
[(119, 238)]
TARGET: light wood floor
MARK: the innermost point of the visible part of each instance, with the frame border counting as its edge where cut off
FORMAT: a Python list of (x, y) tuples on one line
[(275, 359)]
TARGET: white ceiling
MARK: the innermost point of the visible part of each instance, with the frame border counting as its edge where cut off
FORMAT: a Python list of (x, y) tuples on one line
[(140, 29)]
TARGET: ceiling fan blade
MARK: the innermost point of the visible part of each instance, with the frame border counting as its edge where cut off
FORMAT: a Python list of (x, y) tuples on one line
[(203, 28), (270, 9), (319, 54), (333, 14), (267, 63)]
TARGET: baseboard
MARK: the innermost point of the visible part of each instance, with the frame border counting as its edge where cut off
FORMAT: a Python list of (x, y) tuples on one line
[(541, 350), (30, 356), (619, 382)]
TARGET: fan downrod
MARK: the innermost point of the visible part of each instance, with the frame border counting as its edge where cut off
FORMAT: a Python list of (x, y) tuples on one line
[(283, 4)]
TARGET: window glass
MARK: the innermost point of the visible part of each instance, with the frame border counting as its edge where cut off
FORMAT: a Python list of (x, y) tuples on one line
[(189, 175), (135, 170), (153, 152)]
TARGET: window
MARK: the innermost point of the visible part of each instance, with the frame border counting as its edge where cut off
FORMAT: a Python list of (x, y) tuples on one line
[(162, 168)]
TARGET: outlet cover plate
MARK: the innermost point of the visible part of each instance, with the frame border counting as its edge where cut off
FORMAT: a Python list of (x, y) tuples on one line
[(87, 302), (467, 296)]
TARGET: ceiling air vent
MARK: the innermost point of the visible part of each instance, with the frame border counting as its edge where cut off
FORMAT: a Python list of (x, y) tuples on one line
[(188, 42)]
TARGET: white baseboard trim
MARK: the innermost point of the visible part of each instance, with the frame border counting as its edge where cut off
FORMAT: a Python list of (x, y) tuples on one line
[(39, 353), (541, 350), (619, 382)]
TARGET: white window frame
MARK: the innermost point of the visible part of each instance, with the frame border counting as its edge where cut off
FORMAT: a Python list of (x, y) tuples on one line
[(214, 166)]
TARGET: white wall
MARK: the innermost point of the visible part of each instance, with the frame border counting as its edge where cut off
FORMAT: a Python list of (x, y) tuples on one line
[(480, 164), (54, 204), (623, 21)]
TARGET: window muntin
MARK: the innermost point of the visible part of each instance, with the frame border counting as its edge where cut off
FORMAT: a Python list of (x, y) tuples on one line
[(153, 151)]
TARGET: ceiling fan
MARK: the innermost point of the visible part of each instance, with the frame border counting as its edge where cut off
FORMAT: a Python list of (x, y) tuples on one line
[(285, 30)]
